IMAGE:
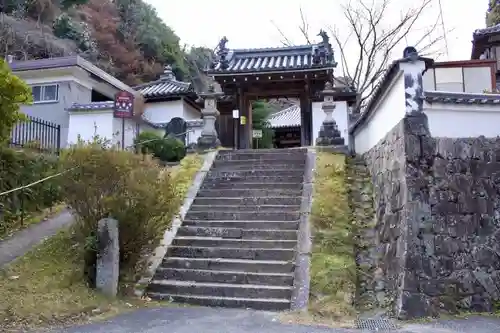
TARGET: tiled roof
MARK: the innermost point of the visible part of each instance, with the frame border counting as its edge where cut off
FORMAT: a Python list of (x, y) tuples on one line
[(164, 88), (289, 117), (480, 40), (461, 98), (108, 105), (486, 31), (194, 123), (270, 60), (93, 106)]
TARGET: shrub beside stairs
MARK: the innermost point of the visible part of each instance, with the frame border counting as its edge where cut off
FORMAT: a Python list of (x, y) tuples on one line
[(237, 244)]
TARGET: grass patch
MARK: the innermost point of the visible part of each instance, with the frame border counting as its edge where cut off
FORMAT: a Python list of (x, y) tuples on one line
[(333, 268), (46, 286), (184, 173), (30, 219)]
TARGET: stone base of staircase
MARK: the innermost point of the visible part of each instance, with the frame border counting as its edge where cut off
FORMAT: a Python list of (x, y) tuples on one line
[(237, 245)]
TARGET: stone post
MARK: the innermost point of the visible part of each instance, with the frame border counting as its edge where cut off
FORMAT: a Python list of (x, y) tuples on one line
[(209, 138), (329, 134), (108, 257)]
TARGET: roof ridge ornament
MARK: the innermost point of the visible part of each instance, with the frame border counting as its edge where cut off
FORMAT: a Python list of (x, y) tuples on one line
[(221, 52), (168, 73), (323, 53), (410, 52)]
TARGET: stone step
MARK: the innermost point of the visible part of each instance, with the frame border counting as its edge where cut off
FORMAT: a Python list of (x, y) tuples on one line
[(200, 241), (257, 164), (252, 157), (239, 233), (216, 215), (257, 167), (240, 208), (280, 187), (202, 275), (264, 151), (242, 191), (231, 253), (255, 173), (249, 201), (219, 289), (264, 304), (220, 264), (214, 180), (232, 227)]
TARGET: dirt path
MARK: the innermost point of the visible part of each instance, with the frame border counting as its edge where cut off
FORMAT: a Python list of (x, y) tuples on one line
[(24, 240)]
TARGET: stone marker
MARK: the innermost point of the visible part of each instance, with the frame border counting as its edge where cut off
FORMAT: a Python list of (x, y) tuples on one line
[(209, 138), (108, 257), (177, 128), (329, 134)]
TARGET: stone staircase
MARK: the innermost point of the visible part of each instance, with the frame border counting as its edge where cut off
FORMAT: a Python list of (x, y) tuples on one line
[(237, 244)]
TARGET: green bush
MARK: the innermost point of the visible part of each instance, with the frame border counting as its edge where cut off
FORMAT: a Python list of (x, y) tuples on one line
[(18, 168), (119, 184), (14, 92), (167, 149)]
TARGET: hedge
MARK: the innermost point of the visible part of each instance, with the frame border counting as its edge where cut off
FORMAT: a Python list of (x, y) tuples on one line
[(18, 168)]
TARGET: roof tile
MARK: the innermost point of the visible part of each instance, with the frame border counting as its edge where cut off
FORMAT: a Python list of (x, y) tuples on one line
[(164, 88), (461, 98), (93, 106), (270, 59), (289, 117)]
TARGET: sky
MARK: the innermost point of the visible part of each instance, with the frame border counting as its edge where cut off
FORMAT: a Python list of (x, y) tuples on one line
[(253, 23)]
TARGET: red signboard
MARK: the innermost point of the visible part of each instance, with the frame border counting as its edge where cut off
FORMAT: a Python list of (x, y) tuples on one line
[(124, 105)]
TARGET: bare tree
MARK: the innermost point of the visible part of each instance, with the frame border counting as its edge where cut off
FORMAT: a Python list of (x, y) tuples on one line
[(374, 40)]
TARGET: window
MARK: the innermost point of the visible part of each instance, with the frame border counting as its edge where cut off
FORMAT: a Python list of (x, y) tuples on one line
[(46, 93), (449, 79)]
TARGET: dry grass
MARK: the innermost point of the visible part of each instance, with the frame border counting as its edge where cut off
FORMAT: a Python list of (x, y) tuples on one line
[(46, 287), (332, 262)]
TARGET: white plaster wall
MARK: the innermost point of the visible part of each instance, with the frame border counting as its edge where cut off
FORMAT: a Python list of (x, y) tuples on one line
[(88, 124), (462, 121), (193, 135), (130, 127), (340, 115), (143, 127), (385, 115), (163, 112), (191, 113)]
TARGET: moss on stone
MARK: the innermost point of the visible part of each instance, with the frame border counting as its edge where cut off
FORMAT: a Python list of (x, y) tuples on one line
[(363, 218), (332, 262)]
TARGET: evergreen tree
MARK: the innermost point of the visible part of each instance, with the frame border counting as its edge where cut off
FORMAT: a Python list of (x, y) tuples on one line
[(14, 92), (260, 114), (493, 13)]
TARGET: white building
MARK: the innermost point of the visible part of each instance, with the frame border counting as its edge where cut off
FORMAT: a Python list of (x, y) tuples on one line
[(78, 96)]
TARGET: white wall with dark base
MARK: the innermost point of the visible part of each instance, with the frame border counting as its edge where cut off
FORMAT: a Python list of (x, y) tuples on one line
[(463, 120), (340, 114)]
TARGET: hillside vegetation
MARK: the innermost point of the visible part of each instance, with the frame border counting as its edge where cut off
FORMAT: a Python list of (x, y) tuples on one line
[(126, 38)]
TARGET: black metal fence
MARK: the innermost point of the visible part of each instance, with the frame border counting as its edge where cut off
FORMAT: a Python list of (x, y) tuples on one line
[(37, 134)]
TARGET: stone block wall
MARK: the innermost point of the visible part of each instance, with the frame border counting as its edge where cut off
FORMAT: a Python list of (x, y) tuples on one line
[(378, 257), (457, 264), (436, 242)]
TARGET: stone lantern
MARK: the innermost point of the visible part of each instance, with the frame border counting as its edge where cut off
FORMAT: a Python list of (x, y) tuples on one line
[(209, 138), (329, 134)]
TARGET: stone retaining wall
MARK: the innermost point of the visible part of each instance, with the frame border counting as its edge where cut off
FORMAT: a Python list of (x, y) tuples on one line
[(436, 244)]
